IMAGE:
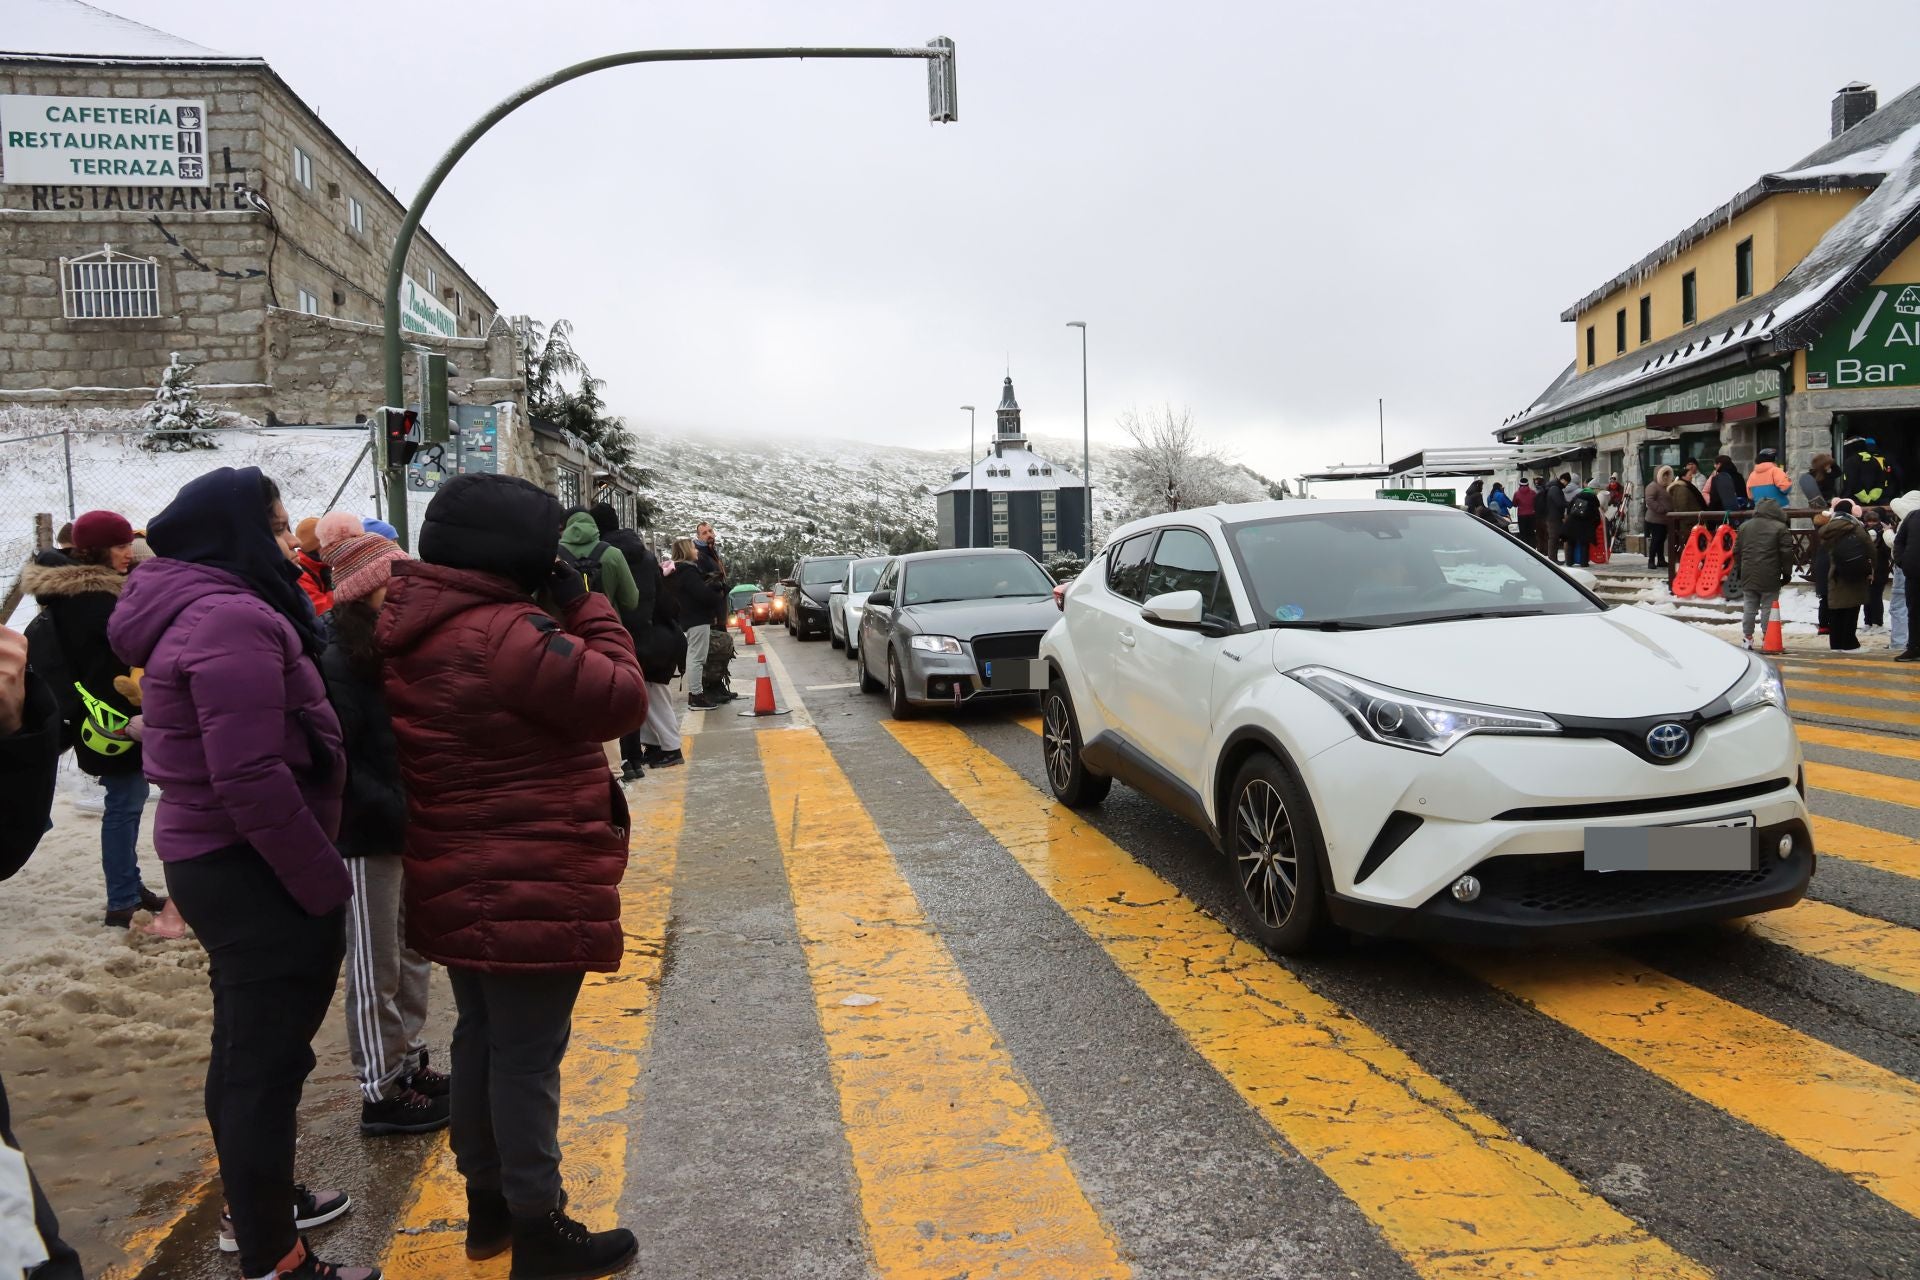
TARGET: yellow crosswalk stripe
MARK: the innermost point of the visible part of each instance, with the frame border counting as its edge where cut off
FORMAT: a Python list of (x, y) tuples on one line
[(1447, 1186), (1859, 782), (1849, 1114), (1903, 696), (1879, 744), (1871, 677), (959, 1170), (1853, 843), (1884, 952), (612, 1021), (1847, 711)]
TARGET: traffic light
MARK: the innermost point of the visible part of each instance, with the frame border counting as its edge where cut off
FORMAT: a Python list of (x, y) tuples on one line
[(399, 433)]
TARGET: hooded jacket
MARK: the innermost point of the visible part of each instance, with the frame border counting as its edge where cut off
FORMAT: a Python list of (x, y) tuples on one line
[(579, 538), (1906, 540), (78, 599), (1842, 594), (239, 735), (516, 830), (316, 580), (373, 807), (1657, 500), (1769, 480), (1583, 514), (1864, 478), (29, 762), (1683, 496), (1724, 490), (1763, 551)]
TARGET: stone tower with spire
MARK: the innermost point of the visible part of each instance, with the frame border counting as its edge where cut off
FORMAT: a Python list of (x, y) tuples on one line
[(1013, 497), (1007, 433)]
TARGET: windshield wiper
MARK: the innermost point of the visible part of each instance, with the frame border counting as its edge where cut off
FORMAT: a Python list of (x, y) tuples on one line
[(1325, 624), (1472, 616)]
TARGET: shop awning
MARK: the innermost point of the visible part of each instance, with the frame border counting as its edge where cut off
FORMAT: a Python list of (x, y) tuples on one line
[(1707, 417)]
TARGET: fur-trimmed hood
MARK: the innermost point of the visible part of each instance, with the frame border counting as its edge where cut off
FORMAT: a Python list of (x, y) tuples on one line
[(46, 582)]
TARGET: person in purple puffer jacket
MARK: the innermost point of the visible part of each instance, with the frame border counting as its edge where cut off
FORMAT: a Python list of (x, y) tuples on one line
[(239, 736)]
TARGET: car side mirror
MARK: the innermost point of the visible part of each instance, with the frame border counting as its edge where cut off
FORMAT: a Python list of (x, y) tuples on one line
[(882, 598), (838, 589), (1180, 609), (1581, 576)]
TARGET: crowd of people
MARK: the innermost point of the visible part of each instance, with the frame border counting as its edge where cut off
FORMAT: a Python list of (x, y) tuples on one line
[(371, 761)]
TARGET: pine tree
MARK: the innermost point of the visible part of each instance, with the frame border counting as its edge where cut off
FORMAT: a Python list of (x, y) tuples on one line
[(175, 420)]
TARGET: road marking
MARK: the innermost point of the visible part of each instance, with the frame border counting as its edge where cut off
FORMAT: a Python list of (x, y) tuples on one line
[(1859, 782), (1853, 690), (1873, 676), (612, 1022), (959, 1169), (1448, 1187), (800, 717), (1884, 952), (822, 688), (1879, 744), (1867, 846), (1849, 1114), (1806, 706), (138, 1252)]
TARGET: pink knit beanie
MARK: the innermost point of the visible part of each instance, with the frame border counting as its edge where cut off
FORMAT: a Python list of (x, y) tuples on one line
[(336, 527)]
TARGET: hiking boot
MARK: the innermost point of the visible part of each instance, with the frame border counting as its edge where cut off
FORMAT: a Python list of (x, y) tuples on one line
[(489, 1224), (698, 702), (666, 759), (555, 1247), (1911, 655), (119, 919), (151, 901), (407, 1111), (631, 771), (435, 1084), (310, 1209), (302, 1265)]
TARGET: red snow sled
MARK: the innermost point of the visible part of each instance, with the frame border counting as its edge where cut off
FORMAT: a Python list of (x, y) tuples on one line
[(1687, 576), (1719, 558)]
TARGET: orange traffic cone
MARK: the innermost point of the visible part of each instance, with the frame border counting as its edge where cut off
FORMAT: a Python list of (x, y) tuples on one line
[(1776, 639), (746, 629), (763, 693)]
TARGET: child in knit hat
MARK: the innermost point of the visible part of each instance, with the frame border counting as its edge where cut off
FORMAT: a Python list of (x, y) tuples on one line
[(386, 981)]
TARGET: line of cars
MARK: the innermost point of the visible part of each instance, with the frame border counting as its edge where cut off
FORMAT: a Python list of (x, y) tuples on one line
[(1388, 718)]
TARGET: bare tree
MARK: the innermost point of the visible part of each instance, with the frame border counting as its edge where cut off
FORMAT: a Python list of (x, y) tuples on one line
[(1169, 467)]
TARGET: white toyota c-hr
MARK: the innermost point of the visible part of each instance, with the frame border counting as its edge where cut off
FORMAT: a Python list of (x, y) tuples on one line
[(1399, 720)]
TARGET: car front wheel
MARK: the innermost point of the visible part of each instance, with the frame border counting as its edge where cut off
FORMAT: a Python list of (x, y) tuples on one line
[(1072, 783), (1273, 846), (897, 705)]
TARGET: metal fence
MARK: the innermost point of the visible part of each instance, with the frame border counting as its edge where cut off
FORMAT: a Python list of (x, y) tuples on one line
[(65, 472)]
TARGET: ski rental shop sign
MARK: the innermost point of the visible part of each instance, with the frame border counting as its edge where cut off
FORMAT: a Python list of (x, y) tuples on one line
[(149, 142), (1741, 388), (1875, 343)]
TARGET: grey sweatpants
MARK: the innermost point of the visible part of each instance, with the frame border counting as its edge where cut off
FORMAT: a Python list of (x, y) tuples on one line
[(662, 727), (386, 980), (507, 1049), (1752, 605), (697, 640)]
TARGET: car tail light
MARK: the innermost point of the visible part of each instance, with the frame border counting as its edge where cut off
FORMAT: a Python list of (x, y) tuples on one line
[(1060, 596)]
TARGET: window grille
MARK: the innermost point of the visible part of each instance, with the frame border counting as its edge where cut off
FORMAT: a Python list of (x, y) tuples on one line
[(567, 481), (110, 286)]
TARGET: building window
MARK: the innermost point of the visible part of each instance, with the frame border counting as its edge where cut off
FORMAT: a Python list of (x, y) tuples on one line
[(356, 215), (309, 304), (1646, 318), (1620, 330), (1689, 300), (1589, 346), (1048, 542), (567, 481), (110, 286), (433, 281), (303, 168), (1743, 269)]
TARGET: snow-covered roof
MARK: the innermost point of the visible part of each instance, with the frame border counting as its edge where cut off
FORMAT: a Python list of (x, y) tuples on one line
[(1863, 156), (1791, 314), (1026, 470), (70, 29)]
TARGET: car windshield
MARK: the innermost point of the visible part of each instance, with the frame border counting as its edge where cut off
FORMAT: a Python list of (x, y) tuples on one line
[(865, 575), (1394, 568), (761, 597), (974, 578), (819, 572)]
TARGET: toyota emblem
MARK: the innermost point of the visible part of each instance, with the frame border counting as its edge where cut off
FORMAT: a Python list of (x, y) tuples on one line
[(1668, 741)]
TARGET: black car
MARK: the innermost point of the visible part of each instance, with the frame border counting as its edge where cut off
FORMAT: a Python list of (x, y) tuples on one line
[(813, 578)]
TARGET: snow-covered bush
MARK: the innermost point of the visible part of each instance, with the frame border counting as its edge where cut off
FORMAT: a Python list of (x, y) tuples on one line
[(175, 420)]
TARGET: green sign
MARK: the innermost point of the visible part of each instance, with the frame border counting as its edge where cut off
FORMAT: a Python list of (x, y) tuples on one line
[(1875, 343), (1438, 497), (1741, 388)]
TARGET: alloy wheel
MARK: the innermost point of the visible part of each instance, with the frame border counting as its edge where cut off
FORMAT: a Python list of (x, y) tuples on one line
[(1265, 853), (1056, 736)]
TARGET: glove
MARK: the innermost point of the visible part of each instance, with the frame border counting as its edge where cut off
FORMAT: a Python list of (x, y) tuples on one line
[(565, 583)]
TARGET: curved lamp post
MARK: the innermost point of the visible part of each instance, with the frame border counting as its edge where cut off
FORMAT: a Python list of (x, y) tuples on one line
[(942, 104)]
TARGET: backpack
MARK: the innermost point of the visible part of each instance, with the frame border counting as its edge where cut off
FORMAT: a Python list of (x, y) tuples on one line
[(1851, 562), (590, 565), (1584, 507), (49, 659)]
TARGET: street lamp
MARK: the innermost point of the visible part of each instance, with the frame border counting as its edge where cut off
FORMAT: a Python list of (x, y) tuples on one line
[(970, 467), (1086, 445)]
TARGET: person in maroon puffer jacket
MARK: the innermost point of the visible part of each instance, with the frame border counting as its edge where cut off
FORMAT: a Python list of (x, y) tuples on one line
[(516, 835)]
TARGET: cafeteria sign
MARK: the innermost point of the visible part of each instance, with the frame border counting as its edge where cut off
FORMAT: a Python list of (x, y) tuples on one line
[(147, 142), (421, 312), (1438, 497)]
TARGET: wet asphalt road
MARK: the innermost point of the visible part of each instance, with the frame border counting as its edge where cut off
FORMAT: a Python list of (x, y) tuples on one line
[(889, 1013)]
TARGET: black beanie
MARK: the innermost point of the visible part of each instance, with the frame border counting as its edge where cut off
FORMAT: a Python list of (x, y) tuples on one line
[(494, 524), (605, 516)]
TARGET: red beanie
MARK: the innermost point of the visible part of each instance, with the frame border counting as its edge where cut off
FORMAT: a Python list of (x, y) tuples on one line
[(98, 530)]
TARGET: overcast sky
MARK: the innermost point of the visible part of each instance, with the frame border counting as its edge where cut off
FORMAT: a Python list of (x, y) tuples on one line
[(1272, 213)]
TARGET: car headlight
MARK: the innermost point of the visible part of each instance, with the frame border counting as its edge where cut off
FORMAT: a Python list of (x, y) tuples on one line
[(937, 644), (1396, 718), (1759, 687)]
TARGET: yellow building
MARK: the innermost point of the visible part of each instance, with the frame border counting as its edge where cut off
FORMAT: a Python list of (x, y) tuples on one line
[(1788, 318)]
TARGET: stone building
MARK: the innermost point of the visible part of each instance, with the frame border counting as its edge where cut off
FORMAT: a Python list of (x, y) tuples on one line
[(158, 197), (1014, 497), (1787, 318)]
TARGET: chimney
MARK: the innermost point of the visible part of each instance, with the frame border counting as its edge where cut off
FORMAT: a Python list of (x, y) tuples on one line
[(1854, 103)]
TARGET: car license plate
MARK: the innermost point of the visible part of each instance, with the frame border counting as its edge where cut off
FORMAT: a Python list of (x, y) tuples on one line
[(1002, 674), (1718, 844)]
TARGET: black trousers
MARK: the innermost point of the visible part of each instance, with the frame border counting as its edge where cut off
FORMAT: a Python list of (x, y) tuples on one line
[(630, 748), (1656, 546), (273, 969), (62, 1262), (508, 1044), (1843, 627)]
